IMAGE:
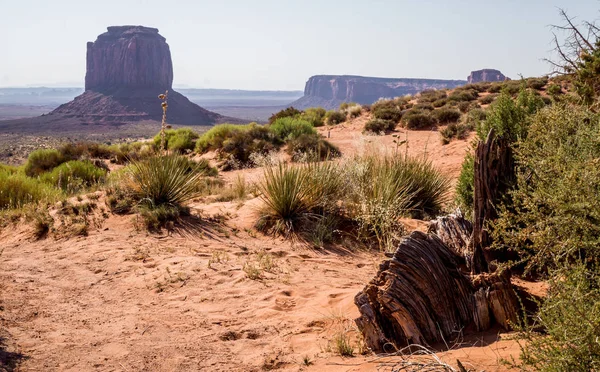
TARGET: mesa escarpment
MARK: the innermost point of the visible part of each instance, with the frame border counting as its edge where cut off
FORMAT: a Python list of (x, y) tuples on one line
[(486, 75), (329, 91), (127, 68)]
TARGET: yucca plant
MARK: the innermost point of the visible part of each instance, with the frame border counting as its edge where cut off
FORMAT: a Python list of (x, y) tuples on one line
[(164, 180), (295, 196)]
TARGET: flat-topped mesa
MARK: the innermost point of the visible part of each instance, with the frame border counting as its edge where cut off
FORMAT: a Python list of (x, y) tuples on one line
[(129, 57), (329, 91), (486, 75)]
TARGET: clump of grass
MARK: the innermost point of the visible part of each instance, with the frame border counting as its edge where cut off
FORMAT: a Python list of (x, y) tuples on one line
[(335, 117), (311, 147), (177, 140), (315, 116), (74, 176), (289, 128), (213, 138), (447, 115), (417, 119), (43, 160), (17, 190), (343, 345), (379, 126)]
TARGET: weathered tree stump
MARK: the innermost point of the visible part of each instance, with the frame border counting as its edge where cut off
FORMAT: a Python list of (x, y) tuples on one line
[(421, 296)]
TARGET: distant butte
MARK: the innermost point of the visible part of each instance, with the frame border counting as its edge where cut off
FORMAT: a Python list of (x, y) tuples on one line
[(127, 68), (486, 75)]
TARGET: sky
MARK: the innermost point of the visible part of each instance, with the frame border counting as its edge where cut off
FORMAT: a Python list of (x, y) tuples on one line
[(279, 44)]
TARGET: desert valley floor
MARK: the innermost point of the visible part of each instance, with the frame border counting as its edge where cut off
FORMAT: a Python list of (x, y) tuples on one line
[(121, 299)]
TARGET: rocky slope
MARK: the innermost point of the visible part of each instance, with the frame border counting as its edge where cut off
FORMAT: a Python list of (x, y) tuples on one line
[(329, 91)]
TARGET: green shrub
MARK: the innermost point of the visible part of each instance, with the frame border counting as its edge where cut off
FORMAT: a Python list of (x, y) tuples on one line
[(237, 150), (377, 126), (289, 112), (486, 100), (431, 95), (295, 197), (388, 109), (315, 116), (335, 117), (454, 130), (479, 87), (447, 115), (465, 186), (17, 190), (288, 128), (423, 107), (311, 147), (354, 111), (43, 160), (459, 95), (570, 321), (495, 87), (416, 119), (344, 106), (440, 103), (554, 89), (177, 140), (164, 181), (74, 175), (213, 138), (537, 83)]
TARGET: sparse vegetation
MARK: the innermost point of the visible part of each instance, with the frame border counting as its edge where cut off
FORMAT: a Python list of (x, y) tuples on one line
[(177, 140), (74, 176), (379, 126), (43, 160), (417, 119), (335, 117)]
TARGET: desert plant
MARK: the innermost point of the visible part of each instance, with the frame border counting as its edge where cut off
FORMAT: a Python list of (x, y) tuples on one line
[(431, 95), (335, 117), (554, 89), (17, 190), (388, 109), (177, 140), (487, 99), (447, 115), (315, 116), (74, 176), (537, 83), (311, 147), (416, 119), (238, 149), (288, 128), (459, 95), (465, 185), (377, 126), (213, 138), (43, 160), (289, 112)]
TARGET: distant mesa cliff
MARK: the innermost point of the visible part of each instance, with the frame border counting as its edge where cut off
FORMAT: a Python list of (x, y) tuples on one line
[(329, 91), (127, 68), (486, 75)]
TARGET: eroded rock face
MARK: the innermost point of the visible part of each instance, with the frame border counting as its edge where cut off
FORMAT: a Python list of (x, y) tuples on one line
[(486, 75), (329, 91), (128, 57), (127, 68)]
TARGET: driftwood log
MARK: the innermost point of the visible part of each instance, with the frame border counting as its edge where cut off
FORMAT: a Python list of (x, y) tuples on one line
[(422, 296)]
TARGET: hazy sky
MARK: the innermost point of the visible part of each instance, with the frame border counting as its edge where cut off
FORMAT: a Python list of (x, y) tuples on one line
[(279, 44)]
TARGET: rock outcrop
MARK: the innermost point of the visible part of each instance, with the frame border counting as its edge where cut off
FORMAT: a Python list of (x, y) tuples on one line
[(127, 68), (129, 57), (486, 75), (329, 91)]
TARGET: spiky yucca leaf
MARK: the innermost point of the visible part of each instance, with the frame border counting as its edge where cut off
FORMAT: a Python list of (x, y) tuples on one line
[(164, 180)]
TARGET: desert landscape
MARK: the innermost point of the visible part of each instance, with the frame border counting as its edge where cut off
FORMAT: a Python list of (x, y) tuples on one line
[(364, 223)]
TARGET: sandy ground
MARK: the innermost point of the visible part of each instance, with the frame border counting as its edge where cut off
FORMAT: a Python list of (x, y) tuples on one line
[(121, 299)]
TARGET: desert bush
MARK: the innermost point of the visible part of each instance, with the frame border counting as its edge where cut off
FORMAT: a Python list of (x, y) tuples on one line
[(423, 107), (537, 83), (464, 106), (213, 138), (315, 116), (177, 140), (344, 106), (447, 115), (431, 95), (495, 87), (311, 147), (416, 119), (335, 117), (551, 217), (554, 89), (454, 130), (377, 126), (388, 110), (569, 320), (289, 112), (479, 87), (43, 160), (440, 103), (74, 175), (238, 149), (17, 190), (288, 128), (296, 197), (486, 100), (164, 181), (354, 111), (459, 95)]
